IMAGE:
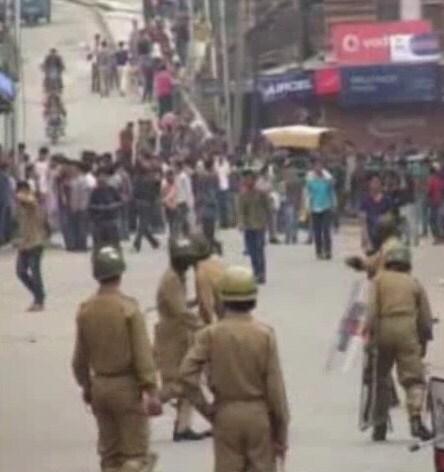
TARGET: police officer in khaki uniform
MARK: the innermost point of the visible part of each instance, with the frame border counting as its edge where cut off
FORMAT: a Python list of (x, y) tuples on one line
[(250, 413), (208, 268), (113, 364), (174, 333), (400, 322)]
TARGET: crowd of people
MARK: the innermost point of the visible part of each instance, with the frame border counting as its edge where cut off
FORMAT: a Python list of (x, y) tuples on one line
[(172, 180), (149, 63)]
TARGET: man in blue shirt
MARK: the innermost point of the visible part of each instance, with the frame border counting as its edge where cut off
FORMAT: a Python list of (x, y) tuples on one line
[(321, 201)]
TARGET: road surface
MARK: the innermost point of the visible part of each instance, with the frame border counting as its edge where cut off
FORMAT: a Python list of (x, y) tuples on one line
[(44, 426)]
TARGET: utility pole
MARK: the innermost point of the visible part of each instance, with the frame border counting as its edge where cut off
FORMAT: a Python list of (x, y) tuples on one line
[(226, 74), (239, 70), (17, 38)]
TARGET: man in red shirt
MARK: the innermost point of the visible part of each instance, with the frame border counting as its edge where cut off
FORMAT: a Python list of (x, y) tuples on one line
[(435, 194), (126, 139), (163, 90)]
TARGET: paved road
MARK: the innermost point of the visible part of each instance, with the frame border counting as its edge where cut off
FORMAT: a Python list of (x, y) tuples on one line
[(43, 424)]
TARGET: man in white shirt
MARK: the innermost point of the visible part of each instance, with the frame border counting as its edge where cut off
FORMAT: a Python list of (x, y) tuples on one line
[(184, 197), (41, 168), (223, 171)]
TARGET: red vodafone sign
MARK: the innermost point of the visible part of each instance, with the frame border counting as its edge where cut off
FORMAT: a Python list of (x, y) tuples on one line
[(369, 43)]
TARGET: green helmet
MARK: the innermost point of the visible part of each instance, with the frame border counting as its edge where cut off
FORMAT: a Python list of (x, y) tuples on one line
[(398, 254), (237, 285), (108, 263), (181, 249), (201, 246)]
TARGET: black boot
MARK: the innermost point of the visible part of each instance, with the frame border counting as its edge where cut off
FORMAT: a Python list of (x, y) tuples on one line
[(188, 435), (419, 430), (379, 432)]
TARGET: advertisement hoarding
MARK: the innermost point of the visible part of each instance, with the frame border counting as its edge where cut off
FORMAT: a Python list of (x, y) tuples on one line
[(292, 83), (369, 43), (389, 83), (423, 47)]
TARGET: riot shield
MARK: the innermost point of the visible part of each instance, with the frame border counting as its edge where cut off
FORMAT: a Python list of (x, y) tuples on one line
[(436, 392)]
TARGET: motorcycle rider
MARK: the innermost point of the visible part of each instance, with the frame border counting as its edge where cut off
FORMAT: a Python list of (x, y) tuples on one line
[(53, 68)]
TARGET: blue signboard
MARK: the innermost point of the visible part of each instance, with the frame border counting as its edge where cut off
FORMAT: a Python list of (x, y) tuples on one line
[(390, 84), (293, 83), (7, 87)]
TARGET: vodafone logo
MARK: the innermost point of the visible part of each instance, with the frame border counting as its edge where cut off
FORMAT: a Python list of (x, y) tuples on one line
[(351, 43)]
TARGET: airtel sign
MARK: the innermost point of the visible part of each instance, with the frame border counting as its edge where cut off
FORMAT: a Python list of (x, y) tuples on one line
[(369, 43)]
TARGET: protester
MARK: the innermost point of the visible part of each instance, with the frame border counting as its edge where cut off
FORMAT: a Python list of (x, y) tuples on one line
[(126, 143), (169, 201), (104, 64), (321, 201), (184, 197), (435, 194), (163, 90), (254, 215), (30, 244), (121, 60), (146, 193), (104, 210), (375, 204)]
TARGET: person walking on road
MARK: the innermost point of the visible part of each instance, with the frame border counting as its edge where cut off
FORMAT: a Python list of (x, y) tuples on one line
[(31, 240), (174, 332), (121, 61), (146, 194), (254, 215), (104, 64), (105, 210), (113, 363), (163, 90), (321, 202), (250, 412)]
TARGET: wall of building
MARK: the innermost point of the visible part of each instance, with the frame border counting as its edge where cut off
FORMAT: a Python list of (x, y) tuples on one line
[(370, 127)]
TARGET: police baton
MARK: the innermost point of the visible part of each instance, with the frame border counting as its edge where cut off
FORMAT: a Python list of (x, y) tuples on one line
[(417, 446)]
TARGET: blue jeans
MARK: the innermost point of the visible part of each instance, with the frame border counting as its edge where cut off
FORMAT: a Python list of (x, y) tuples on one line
[(291, 224), (255, 242), (322, 232), (28, 268), (145, 226)]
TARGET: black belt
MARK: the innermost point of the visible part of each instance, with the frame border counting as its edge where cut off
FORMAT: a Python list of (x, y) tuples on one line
[(112, 374)]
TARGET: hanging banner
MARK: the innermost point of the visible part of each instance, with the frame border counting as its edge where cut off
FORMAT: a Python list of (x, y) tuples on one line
[(294, 83), (7, 87), (389, 84), (369, 43)]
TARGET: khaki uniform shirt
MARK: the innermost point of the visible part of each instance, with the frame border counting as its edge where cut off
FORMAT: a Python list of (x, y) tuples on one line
[(254, 209), (243, 365), (393, 294), (208, 275), (175, 329), (112, 340), (31, 224)]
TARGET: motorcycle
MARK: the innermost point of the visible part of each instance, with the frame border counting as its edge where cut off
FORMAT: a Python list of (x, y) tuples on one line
[(55, 127), (52, 82)]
